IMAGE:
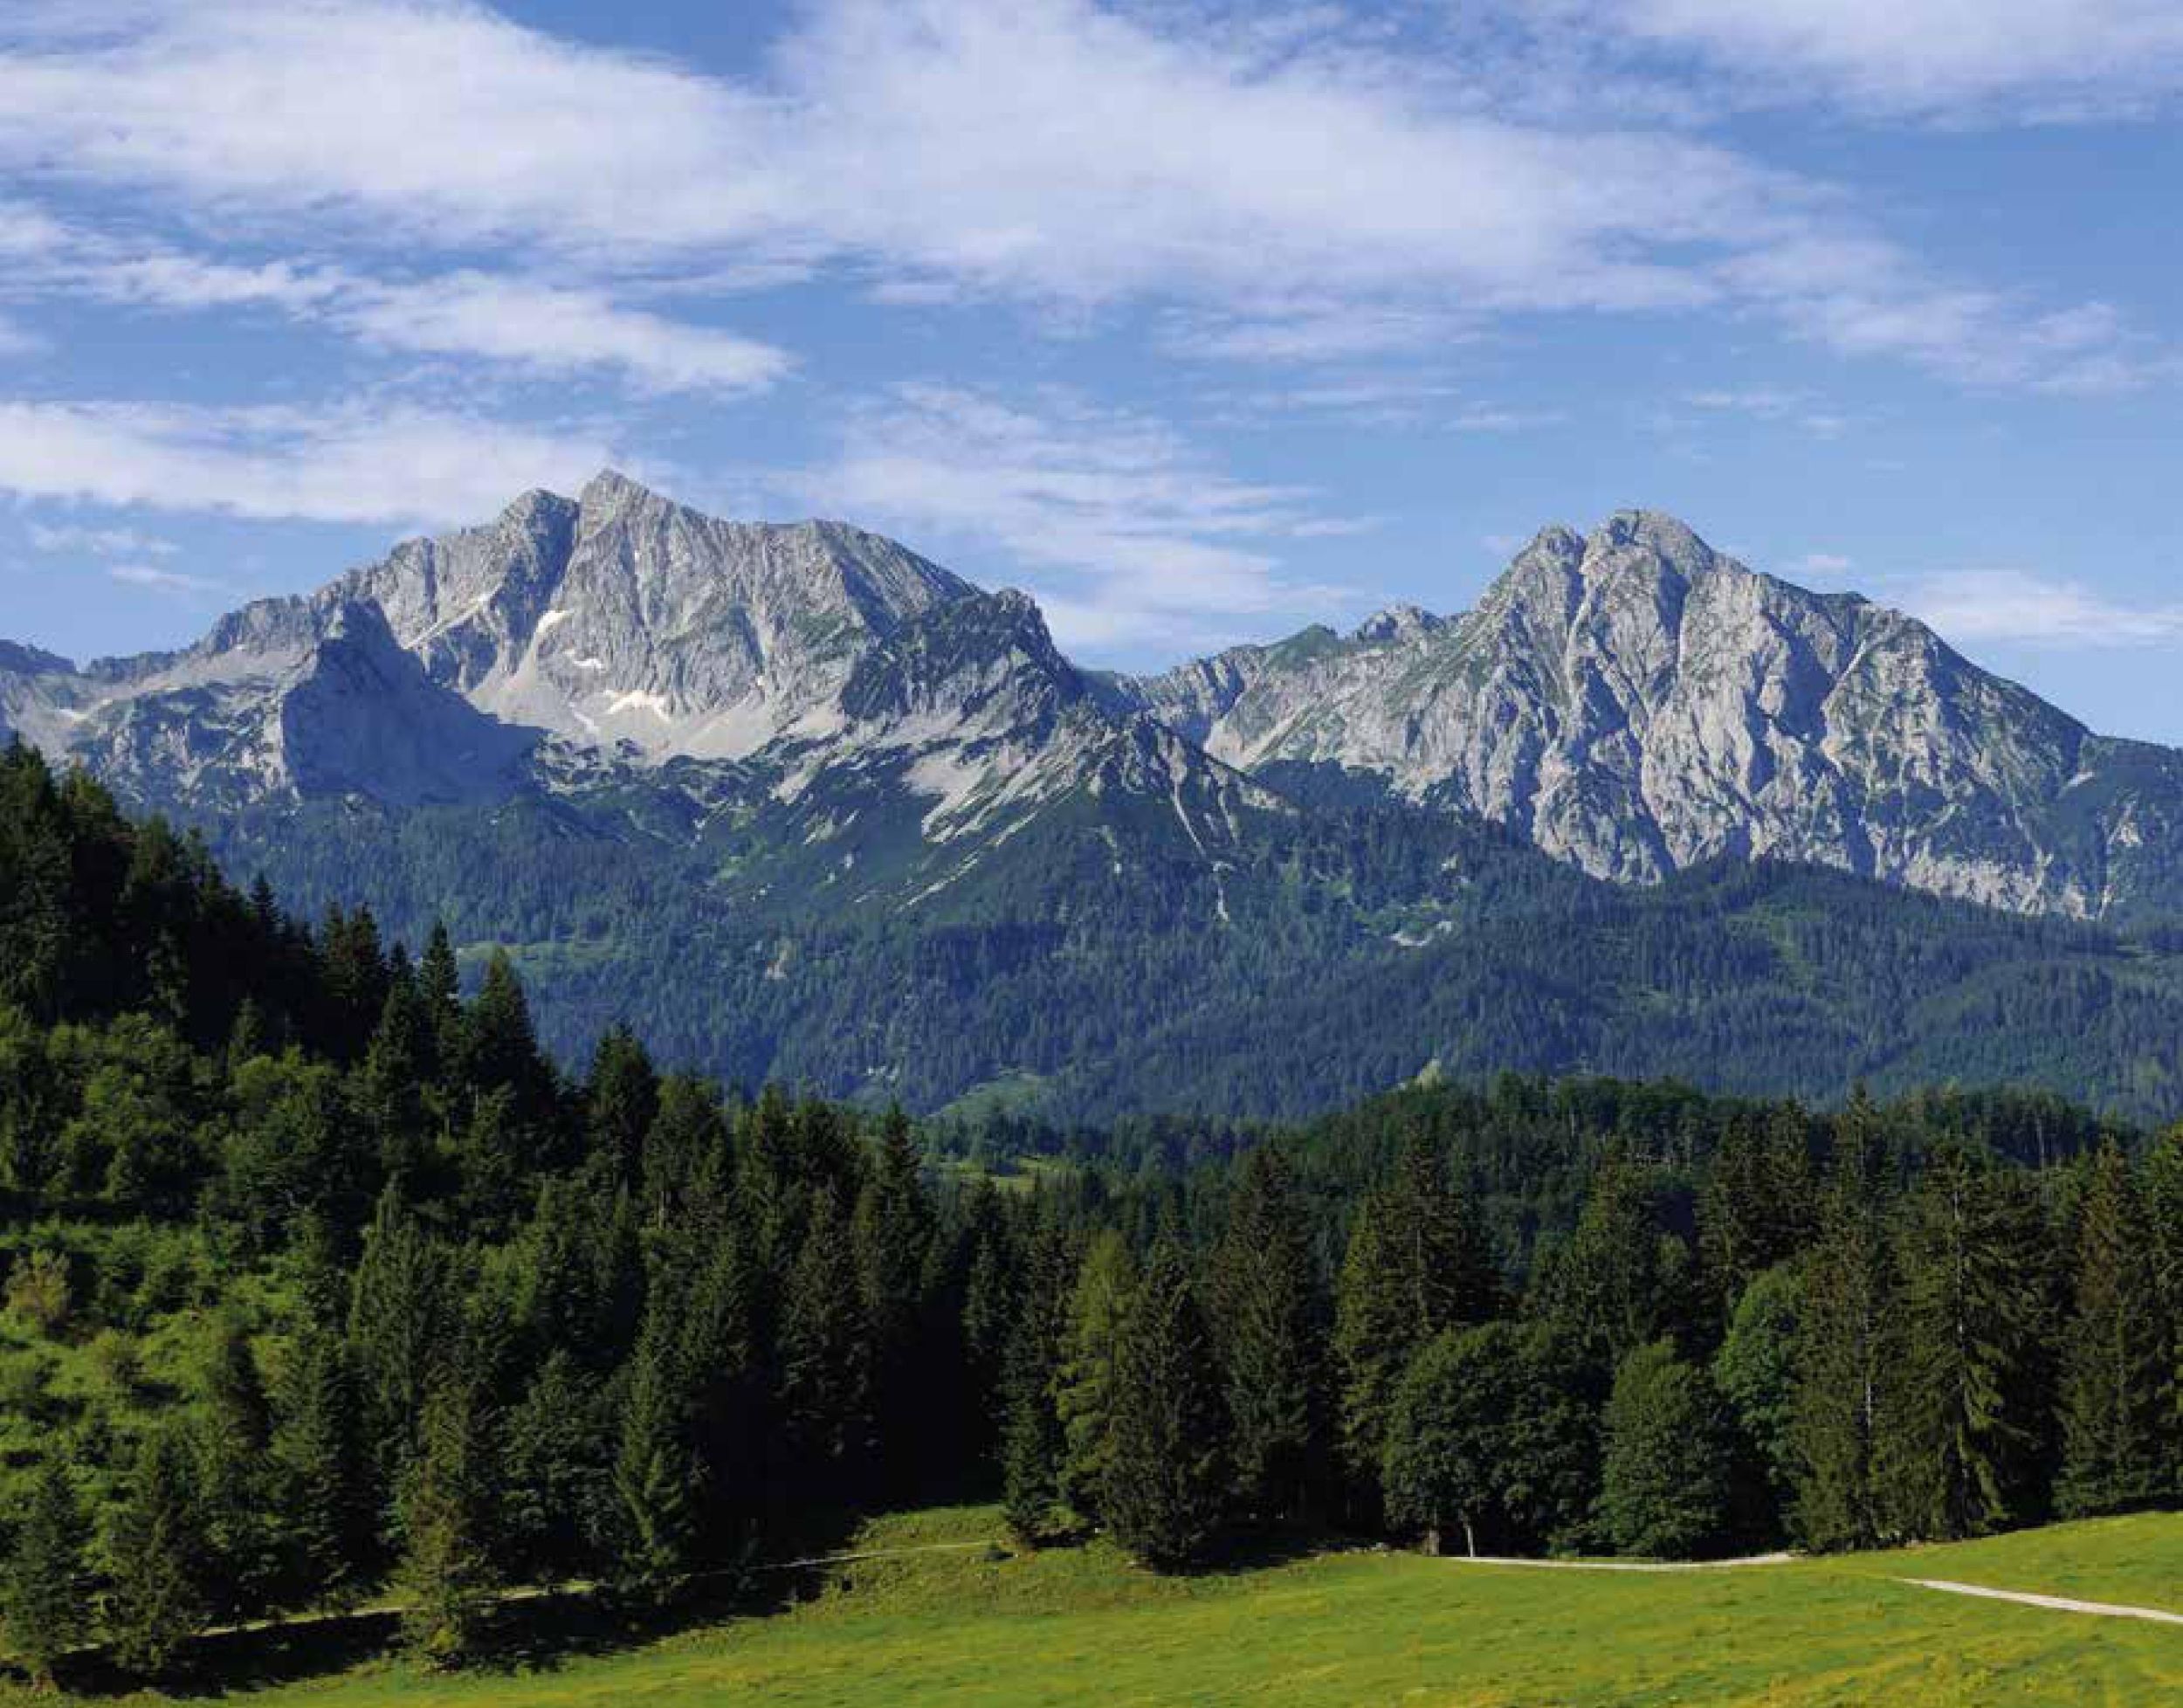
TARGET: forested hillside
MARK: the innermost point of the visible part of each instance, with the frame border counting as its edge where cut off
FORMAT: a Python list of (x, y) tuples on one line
[(322, 1282), (1094, 971)]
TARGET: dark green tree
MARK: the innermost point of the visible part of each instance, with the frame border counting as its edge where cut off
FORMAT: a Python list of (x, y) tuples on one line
[(321, 1473), (1271, 1331), (449, 1514), (655, 1468), (160, 1556), (1663, 1475), (1958, 1428), (1165, 1488), (42, 1595), (826, 1360), (1099, 1304), (1845, 1357), (2112, 1385)]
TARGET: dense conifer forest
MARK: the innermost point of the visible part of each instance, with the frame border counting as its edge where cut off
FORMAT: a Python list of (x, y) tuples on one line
[(324, 1283)]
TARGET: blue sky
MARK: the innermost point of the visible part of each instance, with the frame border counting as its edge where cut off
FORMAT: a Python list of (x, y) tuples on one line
[(1199, 319)]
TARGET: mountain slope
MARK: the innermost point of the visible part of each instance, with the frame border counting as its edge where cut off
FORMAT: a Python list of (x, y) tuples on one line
[(801, 803), (1636, 703)]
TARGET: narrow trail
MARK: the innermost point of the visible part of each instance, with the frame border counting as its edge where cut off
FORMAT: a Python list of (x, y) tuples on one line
[(2053, 1603), (1626, 1565)]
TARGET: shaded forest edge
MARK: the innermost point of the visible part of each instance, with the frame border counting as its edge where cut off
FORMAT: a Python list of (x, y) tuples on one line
[(324, 1286)]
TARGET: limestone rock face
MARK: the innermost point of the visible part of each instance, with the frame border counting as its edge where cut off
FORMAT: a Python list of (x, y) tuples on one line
[(1634, 702), (1630, 701)]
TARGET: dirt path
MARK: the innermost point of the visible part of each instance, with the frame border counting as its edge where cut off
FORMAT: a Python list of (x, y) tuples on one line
[(2054, 1603), (1628, 1565)]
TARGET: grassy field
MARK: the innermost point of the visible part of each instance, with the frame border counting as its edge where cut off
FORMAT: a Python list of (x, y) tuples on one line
[(974, 1627)]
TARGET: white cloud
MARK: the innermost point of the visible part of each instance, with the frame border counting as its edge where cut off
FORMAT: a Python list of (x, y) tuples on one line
[(1819, 567), (99, 542), (1132, 536), (1291, 196), (555, 330), (530, 324), (169, 582), (1974, 605), (353, 463), (1985, 59)]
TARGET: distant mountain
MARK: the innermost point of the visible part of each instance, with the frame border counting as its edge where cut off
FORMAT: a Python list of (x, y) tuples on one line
[(1635, 703), (802, 802)]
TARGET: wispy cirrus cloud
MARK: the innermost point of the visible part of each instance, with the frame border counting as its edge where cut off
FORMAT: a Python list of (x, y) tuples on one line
[(1294, 196), (1132, 536), (2017, 606), (531, 325), (1986, 61), (71, 537), (174, 582), (359, 461)]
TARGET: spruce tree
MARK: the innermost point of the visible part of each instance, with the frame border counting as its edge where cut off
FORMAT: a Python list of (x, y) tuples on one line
[(232, 1491), (1166, 1488), (42, 1595), (893, 1233), (655, 1471), (1099, 1305), (826, 1361), (554, 1446), (1032, 1445), (448, 1510), (1957, 1431), (1417, 1265), (1845, 1355), (1272, 1339), (322, 1475), (400, 1318), (621, 1102), (159, 1553), (2113, 1448), (2164, 1216)]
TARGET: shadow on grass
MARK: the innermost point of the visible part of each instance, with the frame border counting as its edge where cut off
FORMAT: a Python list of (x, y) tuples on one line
[(540, 1633)]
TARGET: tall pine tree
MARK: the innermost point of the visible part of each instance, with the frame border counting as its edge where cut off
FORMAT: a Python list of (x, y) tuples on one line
[(1166, 1488)]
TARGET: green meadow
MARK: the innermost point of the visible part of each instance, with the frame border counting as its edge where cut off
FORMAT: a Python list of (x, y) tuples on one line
[(978, 1626)]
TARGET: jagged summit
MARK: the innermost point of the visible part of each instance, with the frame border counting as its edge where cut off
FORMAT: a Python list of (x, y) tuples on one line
[(1633, 701), (1629, 700)]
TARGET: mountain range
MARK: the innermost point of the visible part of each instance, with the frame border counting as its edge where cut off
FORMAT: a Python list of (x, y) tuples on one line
[(811, 804)]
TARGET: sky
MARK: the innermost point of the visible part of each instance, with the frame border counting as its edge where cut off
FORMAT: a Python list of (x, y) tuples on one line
[(1200, 319)]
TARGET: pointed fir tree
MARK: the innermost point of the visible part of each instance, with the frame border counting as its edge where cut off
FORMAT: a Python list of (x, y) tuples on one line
[(893, 1233), (42, 1596), (159, 1555), (322, 1475), (232, 1492), (1417, 1265), (1166, 1488), (1272, 1339), (654, 1469), (401, 1320), (620, 1101), (2164, 1216), (1955, 1457), (1033, 1448), (826, 1361), (1845, 1358), (2113, 1448), (1099, 1304), (554, 1475), (448, 1510)]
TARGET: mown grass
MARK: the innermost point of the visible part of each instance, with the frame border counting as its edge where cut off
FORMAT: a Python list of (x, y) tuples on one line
[(1080, 1625)]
